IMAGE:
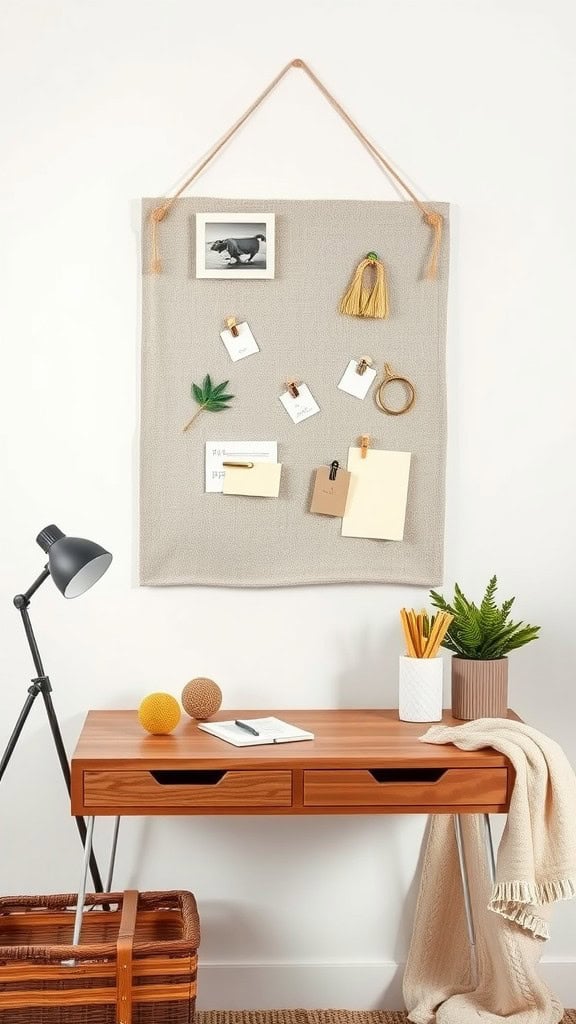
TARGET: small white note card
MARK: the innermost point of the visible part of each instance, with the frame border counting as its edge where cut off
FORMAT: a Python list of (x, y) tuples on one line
[(260, 480), (241, 346), (302, 407), (357, 384), (218, 452), (376, 505)]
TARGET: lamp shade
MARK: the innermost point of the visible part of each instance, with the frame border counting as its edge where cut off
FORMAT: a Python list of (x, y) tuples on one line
[(75, 564)]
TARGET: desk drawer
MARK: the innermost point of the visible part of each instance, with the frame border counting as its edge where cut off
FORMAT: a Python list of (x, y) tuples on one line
[(405, 787), (165, 789)]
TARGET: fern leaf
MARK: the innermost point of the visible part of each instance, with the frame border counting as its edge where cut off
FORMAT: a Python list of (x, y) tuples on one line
[(522, 637), (489, 612), (484, 632), (505, 609)]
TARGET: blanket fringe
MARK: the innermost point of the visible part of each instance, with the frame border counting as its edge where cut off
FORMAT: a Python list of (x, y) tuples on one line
[(511, 900), (522, 917), (534, 892)]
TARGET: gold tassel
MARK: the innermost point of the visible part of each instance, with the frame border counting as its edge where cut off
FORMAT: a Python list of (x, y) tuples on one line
[(156, 216), (368, 302)]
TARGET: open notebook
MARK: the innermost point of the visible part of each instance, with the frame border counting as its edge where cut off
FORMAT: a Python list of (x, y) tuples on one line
[(255, 731)]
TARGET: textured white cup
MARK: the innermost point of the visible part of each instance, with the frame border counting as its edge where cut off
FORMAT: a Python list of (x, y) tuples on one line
[(420, 689)]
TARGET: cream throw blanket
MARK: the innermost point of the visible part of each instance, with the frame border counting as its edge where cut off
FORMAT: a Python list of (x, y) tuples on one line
[(536, 866)]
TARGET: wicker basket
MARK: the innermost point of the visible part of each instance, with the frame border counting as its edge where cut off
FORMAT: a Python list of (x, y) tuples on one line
[(136, 963)]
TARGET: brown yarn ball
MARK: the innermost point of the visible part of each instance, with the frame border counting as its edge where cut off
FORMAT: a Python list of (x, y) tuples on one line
[(201, 698)]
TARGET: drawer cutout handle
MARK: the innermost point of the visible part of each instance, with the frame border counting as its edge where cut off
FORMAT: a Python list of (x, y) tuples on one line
[(170, 777), (407, 774)]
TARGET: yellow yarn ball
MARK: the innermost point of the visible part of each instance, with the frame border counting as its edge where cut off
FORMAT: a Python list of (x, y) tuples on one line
[(201, 698), (159, 713)]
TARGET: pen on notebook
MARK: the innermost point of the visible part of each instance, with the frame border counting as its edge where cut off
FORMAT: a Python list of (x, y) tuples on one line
[(248, 728)]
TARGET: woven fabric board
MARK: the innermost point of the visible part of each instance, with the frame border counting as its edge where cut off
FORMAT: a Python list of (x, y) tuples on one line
[(190, 537)]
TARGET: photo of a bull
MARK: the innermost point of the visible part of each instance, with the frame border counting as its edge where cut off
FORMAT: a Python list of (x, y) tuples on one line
[(237, 247)]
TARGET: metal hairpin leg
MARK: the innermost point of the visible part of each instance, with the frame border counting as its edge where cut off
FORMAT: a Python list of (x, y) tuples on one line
[(490, 848), (490, 856), (83, 878), (112, 855), (467, 900)]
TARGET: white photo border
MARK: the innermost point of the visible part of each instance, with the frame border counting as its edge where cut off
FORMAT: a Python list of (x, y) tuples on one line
[(202, 219)]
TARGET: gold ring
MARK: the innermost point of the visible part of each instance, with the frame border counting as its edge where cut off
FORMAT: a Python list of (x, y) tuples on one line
[(389, 377)]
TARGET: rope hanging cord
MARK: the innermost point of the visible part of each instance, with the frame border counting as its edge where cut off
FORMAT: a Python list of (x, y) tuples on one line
[(431, 217)]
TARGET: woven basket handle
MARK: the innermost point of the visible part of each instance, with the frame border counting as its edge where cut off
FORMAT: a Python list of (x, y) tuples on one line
[(124, 957)]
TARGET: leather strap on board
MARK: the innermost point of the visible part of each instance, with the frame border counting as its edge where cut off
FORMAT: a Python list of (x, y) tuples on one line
[(432, 218), (124, 947)]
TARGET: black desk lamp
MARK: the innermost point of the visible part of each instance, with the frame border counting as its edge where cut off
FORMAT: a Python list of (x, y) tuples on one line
[(75, 565)]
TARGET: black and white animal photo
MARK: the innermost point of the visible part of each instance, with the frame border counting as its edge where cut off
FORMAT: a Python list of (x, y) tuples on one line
[(235, 248), (236, 245)]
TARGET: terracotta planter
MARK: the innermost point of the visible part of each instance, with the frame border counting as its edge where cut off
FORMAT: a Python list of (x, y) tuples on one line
[(479, 688)]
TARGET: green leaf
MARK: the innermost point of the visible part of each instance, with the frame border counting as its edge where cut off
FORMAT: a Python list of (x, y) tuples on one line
[(212, 397), (489, 613), (485, 631), (215, 406)]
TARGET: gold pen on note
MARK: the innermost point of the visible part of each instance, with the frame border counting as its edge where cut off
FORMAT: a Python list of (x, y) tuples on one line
[(242, 465)]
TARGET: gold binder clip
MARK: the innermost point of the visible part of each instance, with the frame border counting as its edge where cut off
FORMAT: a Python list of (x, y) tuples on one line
[(240, 465), (364, 445), (291, 386), (363, 364), (231, 324)]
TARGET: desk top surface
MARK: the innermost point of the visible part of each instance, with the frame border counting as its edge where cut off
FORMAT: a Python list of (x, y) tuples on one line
[(354, 738)]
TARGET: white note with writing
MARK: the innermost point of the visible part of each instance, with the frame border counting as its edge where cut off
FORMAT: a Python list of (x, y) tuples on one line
[(376, 505), (357, 384), (218, 452), (302, 407), (243, 345)]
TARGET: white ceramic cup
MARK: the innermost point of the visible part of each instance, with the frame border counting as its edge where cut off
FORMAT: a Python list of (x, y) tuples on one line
[(420, 689)]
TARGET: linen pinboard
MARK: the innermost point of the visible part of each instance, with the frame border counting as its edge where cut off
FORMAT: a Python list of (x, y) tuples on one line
[(190, 537)]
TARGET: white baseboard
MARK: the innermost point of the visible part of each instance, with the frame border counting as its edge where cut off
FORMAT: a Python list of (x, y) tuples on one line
[(359, 986)]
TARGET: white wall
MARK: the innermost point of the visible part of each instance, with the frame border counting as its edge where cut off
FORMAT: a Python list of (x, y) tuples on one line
[(105, 102)]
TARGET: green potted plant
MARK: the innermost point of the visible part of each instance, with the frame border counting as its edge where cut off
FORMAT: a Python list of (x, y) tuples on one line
[(480, 638)]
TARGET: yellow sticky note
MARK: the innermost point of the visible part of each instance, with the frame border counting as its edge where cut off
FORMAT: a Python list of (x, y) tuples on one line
[(262, 479), (376, 505)]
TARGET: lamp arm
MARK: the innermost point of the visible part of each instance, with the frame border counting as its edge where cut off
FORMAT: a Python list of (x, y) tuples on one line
[(21, 602), (25, 597)]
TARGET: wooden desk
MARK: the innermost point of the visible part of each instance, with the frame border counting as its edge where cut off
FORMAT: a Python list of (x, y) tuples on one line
[(361, 762)]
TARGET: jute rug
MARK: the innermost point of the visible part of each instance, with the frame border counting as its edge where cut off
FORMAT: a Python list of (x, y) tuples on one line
[(315, 1017)]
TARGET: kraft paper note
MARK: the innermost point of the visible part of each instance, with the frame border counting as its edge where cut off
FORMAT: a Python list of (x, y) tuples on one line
[(262, 480), (376, 504), (329, 496)]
